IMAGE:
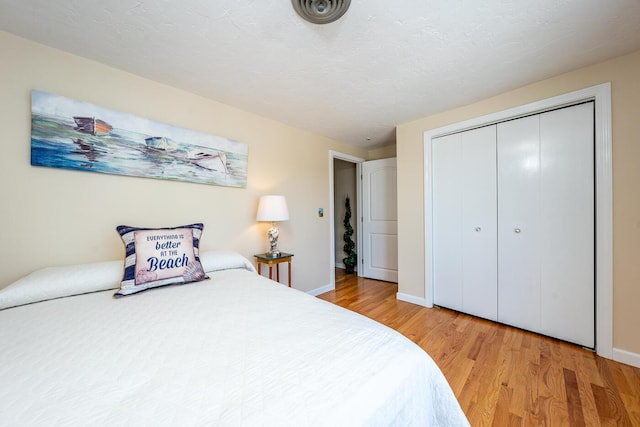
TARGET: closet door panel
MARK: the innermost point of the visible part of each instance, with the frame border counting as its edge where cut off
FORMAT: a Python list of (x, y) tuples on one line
[(518, 223), (447, 220), (567, 213), (479, 223)]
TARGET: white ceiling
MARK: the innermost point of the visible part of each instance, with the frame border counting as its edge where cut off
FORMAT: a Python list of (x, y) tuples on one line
[(383, 63)]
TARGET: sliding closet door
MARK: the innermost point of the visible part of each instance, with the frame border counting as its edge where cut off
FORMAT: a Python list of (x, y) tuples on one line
[(519, 223), (465, 253), (567, 212)]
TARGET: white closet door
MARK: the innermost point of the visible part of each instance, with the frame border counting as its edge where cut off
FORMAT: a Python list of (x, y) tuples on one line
[(546, 224), (567, 215), (465, 254), (479, 223), (519, 223), (447, 220), (513, 223)]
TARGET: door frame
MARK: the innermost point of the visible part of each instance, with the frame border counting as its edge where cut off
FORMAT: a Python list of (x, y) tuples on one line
[(333, 155), (601, 94)]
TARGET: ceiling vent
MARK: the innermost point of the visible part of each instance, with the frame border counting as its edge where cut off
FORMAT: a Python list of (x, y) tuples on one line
[(321, 11)]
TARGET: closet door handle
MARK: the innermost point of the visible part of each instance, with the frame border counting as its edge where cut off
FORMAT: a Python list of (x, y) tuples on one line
[(478, 229), (517, 230)]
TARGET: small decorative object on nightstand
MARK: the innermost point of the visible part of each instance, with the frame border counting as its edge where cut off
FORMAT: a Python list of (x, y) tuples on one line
[(270, 260)]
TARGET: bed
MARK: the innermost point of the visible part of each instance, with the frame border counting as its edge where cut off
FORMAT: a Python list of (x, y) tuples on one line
[(234, 350)]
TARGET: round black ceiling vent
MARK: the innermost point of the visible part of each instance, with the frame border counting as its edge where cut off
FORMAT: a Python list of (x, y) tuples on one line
[(321, 11)]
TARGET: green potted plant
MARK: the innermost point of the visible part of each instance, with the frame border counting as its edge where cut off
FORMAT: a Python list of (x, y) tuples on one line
[(351, 259)]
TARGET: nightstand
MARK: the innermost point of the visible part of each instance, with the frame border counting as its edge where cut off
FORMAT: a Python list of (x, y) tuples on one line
[(266, 258)]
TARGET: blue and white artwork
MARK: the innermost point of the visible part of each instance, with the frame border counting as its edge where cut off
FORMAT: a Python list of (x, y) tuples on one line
[(71, 134)]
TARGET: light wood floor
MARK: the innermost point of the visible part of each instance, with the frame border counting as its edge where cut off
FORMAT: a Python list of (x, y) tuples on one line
[(504, 376)]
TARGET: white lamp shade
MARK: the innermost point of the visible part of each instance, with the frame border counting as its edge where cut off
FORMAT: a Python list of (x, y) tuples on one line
[(272, 209)]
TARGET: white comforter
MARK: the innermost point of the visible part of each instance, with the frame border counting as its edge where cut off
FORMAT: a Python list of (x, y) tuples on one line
[(236, 350)]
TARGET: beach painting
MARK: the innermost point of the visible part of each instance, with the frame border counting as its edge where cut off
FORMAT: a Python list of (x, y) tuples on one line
[(71, 134)]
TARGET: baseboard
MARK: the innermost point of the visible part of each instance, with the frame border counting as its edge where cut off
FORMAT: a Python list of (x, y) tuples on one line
[(411, 299), (322, 290), (627, 357)]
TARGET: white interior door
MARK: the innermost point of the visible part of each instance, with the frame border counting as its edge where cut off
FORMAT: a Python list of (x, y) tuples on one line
[(465, 221), (380, 220)]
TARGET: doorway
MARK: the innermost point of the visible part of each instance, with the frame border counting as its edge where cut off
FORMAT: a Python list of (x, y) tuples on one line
[(376, 221), (343, 179), (345, 187)]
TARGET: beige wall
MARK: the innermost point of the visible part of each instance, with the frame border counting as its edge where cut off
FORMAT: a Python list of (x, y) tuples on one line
[(382, 152), (56, 216), (623, 74)]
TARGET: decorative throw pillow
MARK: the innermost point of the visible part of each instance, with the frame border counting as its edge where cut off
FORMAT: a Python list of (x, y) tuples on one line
[(159, 257)]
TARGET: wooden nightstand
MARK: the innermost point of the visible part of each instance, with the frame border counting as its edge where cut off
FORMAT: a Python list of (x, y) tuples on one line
[(266, 258)]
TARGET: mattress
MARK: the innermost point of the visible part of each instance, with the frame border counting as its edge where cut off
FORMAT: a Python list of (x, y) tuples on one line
[(235, 350)]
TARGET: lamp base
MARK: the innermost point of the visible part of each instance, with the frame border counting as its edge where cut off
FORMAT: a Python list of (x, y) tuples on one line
[(274, 254), (273, 241)]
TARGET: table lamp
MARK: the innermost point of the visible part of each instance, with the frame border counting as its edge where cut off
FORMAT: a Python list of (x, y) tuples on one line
[(272, 209)]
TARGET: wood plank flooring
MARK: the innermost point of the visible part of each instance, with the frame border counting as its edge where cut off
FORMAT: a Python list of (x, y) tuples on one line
[(504, 376)]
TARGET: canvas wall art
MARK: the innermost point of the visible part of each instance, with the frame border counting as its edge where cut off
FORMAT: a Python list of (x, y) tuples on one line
[(71, 134)]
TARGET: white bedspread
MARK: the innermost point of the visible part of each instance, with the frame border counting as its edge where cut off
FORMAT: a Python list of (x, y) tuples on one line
[(236, 350)]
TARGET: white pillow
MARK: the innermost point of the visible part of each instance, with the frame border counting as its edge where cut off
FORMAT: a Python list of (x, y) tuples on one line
[(223, 260), (57, 282)]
